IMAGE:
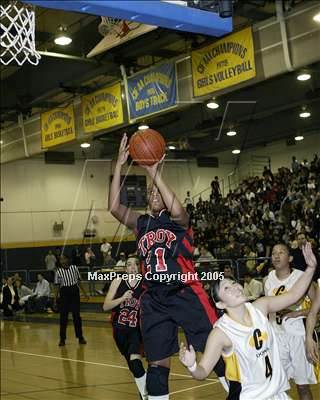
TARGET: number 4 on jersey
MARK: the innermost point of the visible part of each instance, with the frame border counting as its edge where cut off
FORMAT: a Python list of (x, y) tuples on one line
[(268, 367)]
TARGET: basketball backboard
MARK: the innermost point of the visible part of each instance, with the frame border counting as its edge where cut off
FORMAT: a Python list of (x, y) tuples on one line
[(173, 15)]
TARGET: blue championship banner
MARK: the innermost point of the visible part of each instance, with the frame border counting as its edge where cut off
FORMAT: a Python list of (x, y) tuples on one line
[(152, 91)]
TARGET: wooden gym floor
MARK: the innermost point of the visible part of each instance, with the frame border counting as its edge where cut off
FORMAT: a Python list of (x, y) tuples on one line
[(34, 367)]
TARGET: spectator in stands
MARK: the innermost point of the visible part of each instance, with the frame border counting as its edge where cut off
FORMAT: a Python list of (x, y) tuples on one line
[(122, 261), (42, 288), (298, 260), (10, 298), (251, 255), (89, 258), (188, 203), (250, 195), (215, 187), (233, 248), (76, 256), (104, 249), (296, 252), (57, 253), (267, 174), (23, 291), (205, 257), (110, 262), (295, 166), (39, 300), (283, 204), (50, 261), (268, 215), (253, 288), (228, 272), (16, 277), (262, 245)]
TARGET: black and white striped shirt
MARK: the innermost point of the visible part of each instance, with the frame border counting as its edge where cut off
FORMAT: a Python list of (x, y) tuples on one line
[(67, 276)]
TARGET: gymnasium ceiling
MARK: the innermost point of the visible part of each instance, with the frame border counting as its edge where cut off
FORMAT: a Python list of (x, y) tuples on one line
[(272, 115)]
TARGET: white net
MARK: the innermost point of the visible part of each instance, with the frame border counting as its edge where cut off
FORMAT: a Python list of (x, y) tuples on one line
[(108, 24), (17, 27)]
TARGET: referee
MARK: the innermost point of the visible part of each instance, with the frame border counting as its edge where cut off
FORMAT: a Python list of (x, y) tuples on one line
[(68, 278)]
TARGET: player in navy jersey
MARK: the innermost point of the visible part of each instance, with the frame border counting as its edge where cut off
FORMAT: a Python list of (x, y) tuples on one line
[(173, 295), (123, 298)]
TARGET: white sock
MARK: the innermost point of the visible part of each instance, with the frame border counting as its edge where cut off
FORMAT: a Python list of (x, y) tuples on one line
[(224, 383), (141, 384), (165, 397)]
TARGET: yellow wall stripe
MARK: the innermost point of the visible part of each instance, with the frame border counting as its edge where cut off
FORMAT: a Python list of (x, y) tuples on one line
[(52, 243)]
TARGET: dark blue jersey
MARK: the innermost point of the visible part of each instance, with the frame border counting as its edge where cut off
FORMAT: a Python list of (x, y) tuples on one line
[(165, 248), (126, 314)]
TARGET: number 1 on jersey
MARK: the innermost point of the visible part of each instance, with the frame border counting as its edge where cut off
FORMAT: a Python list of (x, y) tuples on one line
[(161, 262)]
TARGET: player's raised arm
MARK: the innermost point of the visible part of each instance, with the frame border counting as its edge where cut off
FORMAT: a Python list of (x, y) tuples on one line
[(110, 302), (216, 342), (119, 211), (312, 349), (172, 203), (271, 304)]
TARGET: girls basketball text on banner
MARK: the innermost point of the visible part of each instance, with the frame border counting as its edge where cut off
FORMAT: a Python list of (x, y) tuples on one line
[(102, 109), (223, 63), (152, 91), (57, 126)]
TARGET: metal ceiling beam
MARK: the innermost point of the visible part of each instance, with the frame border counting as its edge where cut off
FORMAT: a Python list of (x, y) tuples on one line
[(43, 85)]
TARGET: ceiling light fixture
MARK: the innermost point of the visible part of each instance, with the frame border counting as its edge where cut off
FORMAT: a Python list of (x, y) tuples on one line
[(316, 17), (304, 114), (143, 126), (212, 104), (1, 142), (85, 145), (62, 38), (236, 151), (303, 76), (298, 138), (231, 133), (171, 147)]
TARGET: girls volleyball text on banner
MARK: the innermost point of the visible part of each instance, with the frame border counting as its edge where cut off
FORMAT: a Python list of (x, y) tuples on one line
[(152, 91), (102, 109), (223, 63), (57, 126)]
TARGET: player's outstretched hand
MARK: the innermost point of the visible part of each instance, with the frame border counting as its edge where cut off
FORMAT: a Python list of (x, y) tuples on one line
[(128, 294), (187, 357), (123, 150), (312, 351), (310, 258), (153, 169)]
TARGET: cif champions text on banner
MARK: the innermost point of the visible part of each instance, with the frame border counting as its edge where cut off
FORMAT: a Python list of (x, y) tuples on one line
[(152, 91), (102, 109), (57, 126), (223, 63)]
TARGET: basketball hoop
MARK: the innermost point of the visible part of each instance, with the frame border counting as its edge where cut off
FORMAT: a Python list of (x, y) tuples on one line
[(17, 27), (120, 28), (107, 25)]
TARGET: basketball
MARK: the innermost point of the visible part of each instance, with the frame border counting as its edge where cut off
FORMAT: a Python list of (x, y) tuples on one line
[(147, 146)]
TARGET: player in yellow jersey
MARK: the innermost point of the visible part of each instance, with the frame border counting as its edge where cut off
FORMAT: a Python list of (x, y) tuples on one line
[(246, 340)]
